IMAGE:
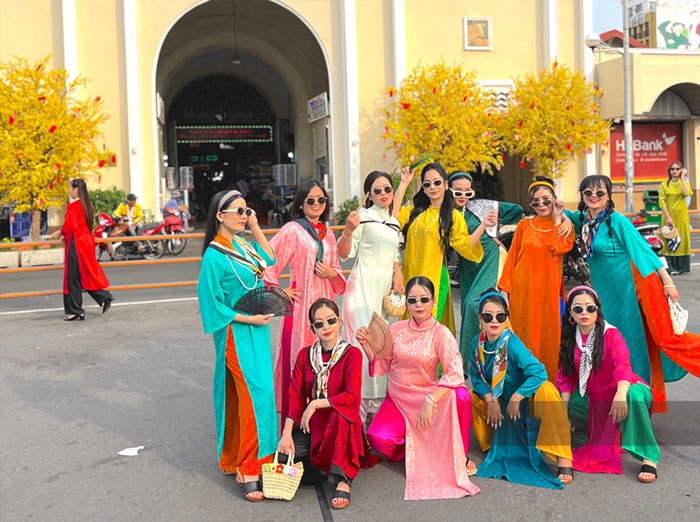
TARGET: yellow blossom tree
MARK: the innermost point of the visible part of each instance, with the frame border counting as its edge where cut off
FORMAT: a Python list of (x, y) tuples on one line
[(552, 117), (47, 136), (442, 110)]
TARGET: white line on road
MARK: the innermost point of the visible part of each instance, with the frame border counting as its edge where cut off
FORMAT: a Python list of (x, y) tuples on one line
[(130, 303)]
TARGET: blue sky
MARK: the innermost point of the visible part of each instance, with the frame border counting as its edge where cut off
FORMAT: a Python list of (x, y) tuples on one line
[(607, 14)]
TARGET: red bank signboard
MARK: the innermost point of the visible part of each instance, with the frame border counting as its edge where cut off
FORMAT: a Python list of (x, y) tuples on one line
[(655, 146)]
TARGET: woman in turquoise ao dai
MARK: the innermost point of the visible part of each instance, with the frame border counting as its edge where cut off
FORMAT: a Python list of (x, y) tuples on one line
[(244, 399)]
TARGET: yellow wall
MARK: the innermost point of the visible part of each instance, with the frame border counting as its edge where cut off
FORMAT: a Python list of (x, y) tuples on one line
[(16, 37)]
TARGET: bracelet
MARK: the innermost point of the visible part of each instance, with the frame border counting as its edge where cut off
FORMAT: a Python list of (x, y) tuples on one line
[(669, 286), (430, 400)]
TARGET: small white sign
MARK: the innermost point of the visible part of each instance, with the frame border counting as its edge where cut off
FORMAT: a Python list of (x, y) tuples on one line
[(317, 107)]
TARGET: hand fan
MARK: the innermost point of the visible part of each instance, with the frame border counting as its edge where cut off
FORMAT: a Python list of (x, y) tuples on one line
[(265, 300), (420, 162), (379, 337)]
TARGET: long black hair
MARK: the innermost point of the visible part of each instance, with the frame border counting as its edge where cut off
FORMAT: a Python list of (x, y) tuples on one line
[(421, 281), (302, 193), (369, 181), (594, 182), (84, 197), (568, 336), (421, 202), (213, 223), (668, 170)]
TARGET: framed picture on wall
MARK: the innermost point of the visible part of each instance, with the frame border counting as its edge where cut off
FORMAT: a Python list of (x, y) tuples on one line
[(478, 34)]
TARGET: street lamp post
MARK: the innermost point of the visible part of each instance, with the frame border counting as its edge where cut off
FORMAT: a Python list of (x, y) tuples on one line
[(594, 42)]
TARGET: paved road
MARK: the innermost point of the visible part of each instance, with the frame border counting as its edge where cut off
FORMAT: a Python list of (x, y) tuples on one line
[(74, 394)]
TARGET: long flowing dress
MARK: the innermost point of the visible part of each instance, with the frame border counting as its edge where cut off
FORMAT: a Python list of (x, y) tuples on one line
[(606, 439), (425, 256), (337, 439), (435, 458), (534, 277), (244, 399), (296, 249), (476, 278), (375, 247), (671, 197), (515, 448), (623, 273), (82, 271)]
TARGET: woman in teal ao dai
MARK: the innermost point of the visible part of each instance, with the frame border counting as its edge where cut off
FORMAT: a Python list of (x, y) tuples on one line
[(244, 399), (476, 278)]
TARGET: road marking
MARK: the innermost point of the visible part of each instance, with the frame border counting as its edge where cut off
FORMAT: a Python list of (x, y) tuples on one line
[(130, 303)]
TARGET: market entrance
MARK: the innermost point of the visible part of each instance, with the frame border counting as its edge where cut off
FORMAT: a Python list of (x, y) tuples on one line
[(234, 81)]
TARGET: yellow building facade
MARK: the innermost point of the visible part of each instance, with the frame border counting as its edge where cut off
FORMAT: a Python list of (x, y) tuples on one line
[(143, 58)]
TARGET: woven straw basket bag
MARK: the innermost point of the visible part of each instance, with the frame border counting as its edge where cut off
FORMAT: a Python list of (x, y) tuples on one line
[(281, 481)]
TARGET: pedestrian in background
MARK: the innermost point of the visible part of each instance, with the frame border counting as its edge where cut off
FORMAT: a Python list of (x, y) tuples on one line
[(82, 272), (672, 200)]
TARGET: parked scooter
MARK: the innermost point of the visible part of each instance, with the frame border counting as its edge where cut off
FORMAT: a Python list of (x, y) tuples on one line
[(108, 227), (648, 232), (576, 265), (174, 224)]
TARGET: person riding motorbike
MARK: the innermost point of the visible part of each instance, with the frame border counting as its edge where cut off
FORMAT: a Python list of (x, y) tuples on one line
[(132, 213)]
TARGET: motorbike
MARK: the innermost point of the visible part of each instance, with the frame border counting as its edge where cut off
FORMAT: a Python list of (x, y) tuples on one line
[(576, 265), (505, 238), (174, 224), (109, 227), (649, 232)]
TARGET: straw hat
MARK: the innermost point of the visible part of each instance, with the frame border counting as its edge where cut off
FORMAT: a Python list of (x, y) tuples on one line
[(669, 232)]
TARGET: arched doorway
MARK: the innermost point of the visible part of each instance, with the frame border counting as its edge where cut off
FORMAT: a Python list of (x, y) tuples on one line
[(250, 113)]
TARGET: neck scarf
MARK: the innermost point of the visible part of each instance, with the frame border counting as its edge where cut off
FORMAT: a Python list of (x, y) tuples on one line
[(250, 259), (584, 368), (317, 232), (319, 388), (500, 362), (589, 230), (381, 214)]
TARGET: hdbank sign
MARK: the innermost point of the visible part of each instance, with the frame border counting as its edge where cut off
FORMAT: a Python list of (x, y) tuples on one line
[(655, 146)]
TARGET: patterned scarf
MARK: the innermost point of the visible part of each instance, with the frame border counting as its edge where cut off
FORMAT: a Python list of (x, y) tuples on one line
[(584, 367), (319, 388), (500, 363), (317, 232), (250, 258), (590, 229)]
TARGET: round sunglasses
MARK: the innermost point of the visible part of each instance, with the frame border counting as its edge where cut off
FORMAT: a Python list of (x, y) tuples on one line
[(414, 300), (501, 317), (321, 200), (578, 309), (330, 321), (469, 193), (240, 211), (599, 193), (428, 184), (387, 189), (536, 203)]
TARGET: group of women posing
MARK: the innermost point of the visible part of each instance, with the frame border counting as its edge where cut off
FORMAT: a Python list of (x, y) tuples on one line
[(415, 401)]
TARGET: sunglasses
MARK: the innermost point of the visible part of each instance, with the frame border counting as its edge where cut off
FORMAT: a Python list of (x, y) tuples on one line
[(599, 193), (578, 309), (414, 300), (536, 203), (321, 200), (469, 194), (240, 211), (428, 184), (387, 189), (674, 168), (501, 317), (330, 321)]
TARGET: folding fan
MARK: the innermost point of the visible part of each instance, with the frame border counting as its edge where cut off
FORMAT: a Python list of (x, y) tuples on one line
[(379, 338), (264, 300)]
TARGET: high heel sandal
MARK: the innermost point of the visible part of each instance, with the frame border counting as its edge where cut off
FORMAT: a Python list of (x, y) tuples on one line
[(74, 317), (249, 487), (471, 472)]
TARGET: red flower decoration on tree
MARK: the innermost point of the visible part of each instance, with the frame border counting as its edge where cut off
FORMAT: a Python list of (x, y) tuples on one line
[(52, 129), (406, 106), (102, 163), (522, 164)]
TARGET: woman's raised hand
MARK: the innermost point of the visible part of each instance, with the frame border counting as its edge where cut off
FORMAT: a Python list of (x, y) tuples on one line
[(252, 221), (352, 222), (491, 219), (407, 175), (362, 336)]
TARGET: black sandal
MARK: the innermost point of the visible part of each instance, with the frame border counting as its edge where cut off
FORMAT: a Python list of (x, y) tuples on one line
[(646, 468), (566, 471), (340, 494), (74, 317)]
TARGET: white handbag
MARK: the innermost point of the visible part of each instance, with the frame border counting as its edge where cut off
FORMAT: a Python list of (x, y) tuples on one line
[(679, 317)]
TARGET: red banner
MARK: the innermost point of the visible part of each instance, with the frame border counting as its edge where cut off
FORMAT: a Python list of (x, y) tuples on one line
[(655, 146)]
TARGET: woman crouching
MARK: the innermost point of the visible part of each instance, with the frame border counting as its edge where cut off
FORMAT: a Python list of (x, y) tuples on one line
[(594, 355), (504, 372), (323, 428)]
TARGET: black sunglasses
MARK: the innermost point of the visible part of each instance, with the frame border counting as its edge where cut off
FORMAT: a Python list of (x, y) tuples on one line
[(414, 300), (536, 203), (428, 184), (599, 193), (675, 168), (321, 200), (387, 189), (578, 309), (501, 317), (319, 324), (240, 211)]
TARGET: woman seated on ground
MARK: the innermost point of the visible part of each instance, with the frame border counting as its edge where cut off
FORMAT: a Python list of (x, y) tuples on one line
[(504, 372), (323, 428), (594, 355), (423, 417)]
